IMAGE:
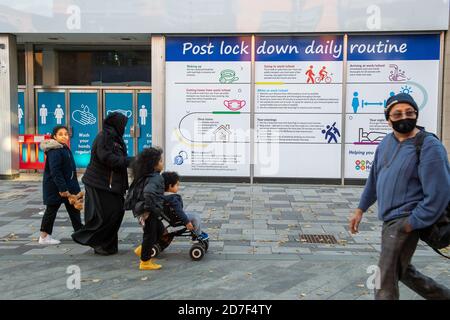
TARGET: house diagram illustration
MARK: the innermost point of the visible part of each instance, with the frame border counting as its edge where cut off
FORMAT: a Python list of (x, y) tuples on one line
[(222, 133)]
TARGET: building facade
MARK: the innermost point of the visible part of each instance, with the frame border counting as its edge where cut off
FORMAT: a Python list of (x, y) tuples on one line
[(232, 90)]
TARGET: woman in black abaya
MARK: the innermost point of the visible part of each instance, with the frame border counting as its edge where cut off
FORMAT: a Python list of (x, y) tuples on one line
[(105, 181)]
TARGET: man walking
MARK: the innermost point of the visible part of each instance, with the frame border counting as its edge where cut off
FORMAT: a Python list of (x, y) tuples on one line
[(411, 195)]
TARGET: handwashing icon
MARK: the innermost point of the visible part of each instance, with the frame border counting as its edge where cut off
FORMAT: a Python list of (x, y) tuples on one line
[(83, 116)]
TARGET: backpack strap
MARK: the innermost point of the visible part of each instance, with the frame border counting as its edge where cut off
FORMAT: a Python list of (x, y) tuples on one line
[(418, 141)]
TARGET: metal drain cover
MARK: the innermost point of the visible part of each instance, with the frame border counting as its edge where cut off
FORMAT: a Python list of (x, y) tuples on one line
[(318, 238)]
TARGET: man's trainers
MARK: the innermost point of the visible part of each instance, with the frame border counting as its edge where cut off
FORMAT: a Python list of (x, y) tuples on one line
[(203, 236), (48, 240), (149, 265)]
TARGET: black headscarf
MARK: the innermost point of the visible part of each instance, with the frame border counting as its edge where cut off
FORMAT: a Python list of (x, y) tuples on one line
[(114, 128), (116, 120)]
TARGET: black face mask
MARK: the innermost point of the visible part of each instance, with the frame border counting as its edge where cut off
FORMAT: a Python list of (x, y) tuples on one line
[(404, 125)]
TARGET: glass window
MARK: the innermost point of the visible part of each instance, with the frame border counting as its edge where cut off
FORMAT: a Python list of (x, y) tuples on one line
[(38, 67), (104, 67), (21, 67)]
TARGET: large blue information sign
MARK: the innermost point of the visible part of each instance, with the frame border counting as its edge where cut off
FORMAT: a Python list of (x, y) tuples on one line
[(144, 120), (21, 111), (123, 103), (51, 108), (84, 123)]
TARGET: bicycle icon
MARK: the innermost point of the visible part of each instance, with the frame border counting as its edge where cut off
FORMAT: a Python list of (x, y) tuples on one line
[(323, 75), (326, 79)]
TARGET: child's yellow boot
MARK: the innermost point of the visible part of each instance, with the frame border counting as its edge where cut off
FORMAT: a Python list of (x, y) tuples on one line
[(149, 265), (138, 251)]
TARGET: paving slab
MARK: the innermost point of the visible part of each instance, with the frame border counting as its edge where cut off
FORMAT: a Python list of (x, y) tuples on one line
[(254, 251)]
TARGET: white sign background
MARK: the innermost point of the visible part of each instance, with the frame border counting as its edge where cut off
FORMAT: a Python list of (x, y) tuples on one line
[(296, 154), (373, 81), (194, 96)]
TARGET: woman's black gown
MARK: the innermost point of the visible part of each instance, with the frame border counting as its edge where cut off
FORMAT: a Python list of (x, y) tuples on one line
[(105, 181)]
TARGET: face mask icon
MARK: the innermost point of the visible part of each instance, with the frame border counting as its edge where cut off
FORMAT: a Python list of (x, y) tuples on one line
[(126, 113), (234, 105)]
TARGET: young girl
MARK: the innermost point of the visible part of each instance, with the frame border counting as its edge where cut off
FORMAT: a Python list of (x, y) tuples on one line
[(60, 181), (148, 165)]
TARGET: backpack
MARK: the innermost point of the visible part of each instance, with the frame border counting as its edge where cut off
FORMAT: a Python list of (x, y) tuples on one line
[(134, 200), (437, 236)]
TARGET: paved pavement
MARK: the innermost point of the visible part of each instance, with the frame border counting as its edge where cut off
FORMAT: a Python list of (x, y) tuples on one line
[(255, 248)]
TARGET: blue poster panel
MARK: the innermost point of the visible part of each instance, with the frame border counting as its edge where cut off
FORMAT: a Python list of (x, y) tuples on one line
[(22, 118), (144, 120), (394, 47), (21, 111), (123, 103), (292, 48), (84, 123), (51, 109), (208, 49)]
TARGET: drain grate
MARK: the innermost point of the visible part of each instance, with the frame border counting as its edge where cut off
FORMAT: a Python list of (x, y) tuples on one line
[(318, 238)]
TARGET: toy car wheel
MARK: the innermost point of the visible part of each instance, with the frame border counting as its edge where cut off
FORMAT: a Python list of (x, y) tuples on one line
[(197, 252), (156, 250)]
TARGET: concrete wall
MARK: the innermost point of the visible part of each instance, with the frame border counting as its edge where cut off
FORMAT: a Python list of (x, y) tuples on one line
[(158, 90), (220, 16), (9, 148), (446, 95)]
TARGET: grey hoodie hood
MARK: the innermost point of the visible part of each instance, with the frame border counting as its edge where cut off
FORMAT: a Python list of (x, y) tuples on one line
[(50, 144)]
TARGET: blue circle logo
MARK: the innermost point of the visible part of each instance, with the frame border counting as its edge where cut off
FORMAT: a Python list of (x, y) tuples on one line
[(178, 160)]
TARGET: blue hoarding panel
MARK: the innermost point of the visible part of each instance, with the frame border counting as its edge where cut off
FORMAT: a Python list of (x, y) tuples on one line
[(21, 111), (394, 47), (22, 119), (51, 111), (123, 103), (208, 49), (319, 48), (144, 120), (84, 123)]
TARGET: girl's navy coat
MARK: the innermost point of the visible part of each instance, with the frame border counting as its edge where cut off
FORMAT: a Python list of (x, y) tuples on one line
[(60, 172)]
